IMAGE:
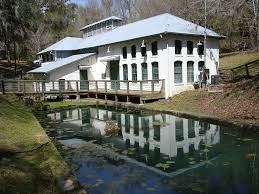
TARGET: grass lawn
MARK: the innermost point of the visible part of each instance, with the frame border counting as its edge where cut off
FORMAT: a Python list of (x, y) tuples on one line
[(61, 104), (22, 168), (231, 61), (239, 102)]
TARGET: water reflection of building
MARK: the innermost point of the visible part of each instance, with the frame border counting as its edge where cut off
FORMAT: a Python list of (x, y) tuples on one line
[(167, 133)]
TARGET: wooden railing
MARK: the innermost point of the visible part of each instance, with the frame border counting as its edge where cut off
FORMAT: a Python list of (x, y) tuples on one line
[(44, 87), (243, 71)]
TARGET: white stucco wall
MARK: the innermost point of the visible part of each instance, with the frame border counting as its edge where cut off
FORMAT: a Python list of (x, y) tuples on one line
[(165, 58)]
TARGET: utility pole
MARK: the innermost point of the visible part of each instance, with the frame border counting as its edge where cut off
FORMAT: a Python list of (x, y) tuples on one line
[(205, 33)]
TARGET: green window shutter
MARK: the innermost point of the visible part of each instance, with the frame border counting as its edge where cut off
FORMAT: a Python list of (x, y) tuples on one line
[(134, 71), (190, 71), (155, 71), (144, 71), (178, 74)]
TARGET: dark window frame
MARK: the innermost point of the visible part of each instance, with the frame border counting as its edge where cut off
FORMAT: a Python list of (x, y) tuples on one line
[(154, 48), (179, 74), (155, 75), (189, 47), (178, 47), (133, 51), (190, 74), (134, 71), (124, 52), (200, 49), (144, 74), (125, 72)]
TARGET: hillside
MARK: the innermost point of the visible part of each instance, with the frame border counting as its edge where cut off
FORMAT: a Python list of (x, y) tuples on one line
[(238, 102), (232, 60)]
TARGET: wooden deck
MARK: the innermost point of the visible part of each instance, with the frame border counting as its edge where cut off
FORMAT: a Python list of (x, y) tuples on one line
[(144, 90)]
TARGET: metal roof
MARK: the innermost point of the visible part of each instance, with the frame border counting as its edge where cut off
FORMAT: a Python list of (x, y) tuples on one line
[(165, 23), (57, 64), (66, 44), (100, 21)]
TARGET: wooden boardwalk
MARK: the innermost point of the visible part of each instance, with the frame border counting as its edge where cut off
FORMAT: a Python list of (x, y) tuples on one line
[(144, 90)]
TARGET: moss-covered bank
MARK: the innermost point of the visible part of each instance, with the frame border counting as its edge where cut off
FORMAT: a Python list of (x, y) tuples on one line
[(29, 162)]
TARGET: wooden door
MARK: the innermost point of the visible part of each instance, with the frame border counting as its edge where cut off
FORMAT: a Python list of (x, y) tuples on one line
[(84, 84), (115, 74)]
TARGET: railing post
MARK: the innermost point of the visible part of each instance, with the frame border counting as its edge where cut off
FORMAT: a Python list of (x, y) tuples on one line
[(105, 86), (96, 89), (153, 86), (53, 85), (77, 87), (141, 88), (127, 87), (2, 86)]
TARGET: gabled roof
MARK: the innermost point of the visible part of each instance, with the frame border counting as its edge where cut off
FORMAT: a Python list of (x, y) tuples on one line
[(100, 21), (57, 64), (66, 44), (165, 23)]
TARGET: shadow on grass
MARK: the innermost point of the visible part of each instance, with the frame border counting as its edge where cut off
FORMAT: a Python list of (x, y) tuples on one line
[(25, 173)]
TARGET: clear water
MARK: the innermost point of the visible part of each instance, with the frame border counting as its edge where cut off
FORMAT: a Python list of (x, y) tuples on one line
[(154, 153)]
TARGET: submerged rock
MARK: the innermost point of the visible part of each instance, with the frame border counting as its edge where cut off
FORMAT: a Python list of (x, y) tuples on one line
[(111, 128)]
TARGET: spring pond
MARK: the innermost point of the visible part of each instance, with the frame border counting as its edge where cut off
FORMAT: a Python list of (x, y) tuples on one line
[(154, 152)]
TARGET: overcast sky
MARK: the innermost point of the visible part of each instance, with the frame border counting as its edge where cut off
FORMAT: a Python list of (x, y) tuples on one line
[(80, 2)]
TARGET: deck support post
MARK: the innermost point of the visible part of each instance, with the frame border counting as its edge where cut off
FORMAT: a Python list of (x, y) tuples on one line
[(43, 88), (77, 88), (2, 86), (127, 87), (53, 85), (127, 98), (77, 97), (96, 89)]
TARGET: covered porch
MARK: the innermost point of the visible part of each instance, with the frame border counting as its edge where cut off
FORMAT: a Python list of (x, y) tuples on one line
[(144, 90)]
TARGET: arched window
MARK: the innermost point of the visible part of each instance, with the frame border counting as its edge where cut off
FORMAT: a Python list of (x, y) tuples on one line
[(125, 72), (155, 71), (134, 71), (154, 48), (144, 71), (189, 47), (178, 72), (201, 48), (124, 52), (178, 47), (133, 51), (190, 71)]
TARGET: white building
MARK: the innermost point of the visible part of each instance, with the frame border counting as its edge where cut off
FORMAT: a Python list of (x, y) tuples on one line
[(162, 54)]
